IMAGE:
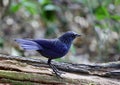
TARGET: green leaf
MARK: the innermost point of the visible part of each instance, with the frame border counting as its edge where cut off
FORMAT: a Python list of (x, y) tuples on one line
[(117, 2), (50, 7), (44, 2), (115, 17), (30, 7), (29, 4), (102, 13), (14, 8), (1, 42), (31, 10)]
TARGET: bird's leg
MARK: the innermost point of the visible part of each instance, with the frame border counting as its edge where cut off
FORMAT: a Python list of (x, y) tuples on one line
[(53, 68), (60, 72)]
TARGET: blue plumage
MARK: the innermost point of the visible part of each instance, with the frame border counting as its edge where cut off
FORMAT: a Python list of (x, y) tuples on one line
[(28, 44), (50, 48)]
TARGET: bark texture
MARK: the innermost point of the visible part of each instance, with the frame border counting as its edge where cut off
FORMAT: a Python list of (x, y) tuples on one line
[(27, 71)]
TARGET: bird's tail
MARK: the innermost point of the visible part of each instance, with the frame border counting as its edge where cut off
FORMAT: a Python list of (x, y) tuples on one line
[(28, 44)]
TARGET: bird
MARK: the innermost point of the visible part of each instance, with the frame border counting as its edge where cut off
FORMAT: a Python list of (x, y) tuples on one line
[(50, 48)]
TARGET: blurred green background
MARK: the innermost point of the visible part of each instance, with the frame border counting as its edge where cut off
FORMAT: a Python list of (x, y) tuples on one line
[(97, 20)]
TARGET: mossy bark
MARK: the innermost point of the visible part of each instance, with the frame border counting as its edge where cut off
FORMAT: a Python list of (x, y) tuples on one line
[(16, 72)]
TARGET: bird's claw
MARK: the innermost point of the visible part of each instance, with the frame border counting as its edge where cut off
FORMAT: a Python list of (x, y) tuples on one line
[(61, 72), (58, 75)]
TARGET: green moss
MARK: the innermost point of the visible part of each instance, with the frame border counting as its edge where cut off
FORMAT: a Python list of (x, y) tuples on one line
[(14, 75), (14, 82), (33, 77)]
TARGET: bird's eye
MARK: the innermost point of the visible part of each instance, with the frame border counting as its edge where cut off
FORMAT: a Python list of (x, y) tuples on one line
[(73, 35)]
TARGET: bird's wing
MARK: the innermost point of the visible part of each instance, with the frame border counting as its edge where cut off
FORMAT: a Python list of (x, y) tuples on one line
[(28, 44), (52, 44)]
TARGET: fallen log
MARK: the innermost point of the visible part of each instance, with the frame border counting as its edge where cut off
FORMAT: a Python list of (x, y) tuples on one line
[(16, 69)]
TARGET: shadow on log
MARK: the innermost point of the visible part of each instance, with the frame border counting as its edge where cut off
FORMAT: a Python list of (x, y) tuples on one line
[(15, 69)]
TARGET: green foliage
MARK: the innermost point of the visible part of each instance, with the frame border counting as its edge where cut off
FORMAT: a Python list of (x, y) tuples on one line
[(15, 7), (47, 11), (28, 5), (44, 8), (1, 42), (44, 2), (50, 7), (105, 2), (117, 2), (102, 13), (115, 17), (106, 17)]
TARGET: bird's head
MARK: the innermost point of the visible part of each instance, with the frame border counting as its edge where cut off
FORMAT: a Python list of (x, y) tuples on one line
[(68, 37)]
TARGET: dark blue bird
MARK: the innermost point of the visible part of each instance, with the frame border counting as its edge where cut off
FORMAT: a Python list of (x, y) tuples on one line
[(50, 48)]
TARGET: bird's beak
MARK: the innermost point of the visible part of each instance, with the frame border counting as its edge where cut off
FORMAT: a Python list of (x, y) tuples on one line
[(78, 35)]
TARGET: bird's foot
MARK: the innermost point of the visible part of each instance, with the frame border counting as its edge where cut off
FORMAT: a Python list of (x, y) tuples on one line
[(58, 74), (61, 72), (58, 71), (55, 70)]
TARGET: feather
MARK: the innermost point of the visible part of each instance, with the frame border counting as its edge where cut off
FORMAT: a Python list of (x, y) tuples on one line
[(28, 44)]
